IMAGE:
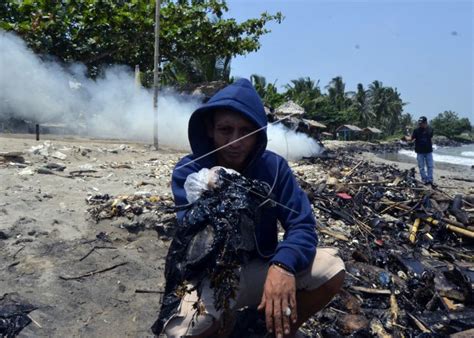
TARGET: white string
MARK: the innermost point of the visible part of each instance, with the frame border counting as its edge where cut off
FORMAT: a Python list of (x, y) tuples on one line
[(237, 140), (232, 142), (260, 195)]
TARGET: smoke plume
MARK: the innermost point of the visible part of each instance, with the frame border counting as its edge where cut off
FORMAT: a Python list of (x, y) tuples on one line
[(111, 106)]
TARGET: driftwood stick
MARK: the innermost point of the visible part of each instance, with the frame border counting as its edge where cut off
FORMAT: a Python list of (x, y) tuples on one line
[(148, 291), (371, 291), (369, 183), (34, 321), (93, 249), (18, 251), (418, 323), (92, 273), (394, 310), (354, 168), (460, 231)]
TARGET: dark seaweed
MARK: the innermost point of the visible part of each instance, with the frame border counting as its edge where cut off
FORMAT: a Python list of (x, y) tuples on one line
[(220, 227), (13, 316)]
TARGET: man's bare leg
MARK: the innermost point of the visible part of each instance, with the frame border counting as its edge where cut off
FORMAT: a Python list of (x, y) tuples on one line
[(310, 302)]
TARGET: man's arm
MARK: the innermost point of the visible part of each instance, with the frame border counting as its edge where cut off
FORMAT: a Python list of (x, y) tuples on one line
[(298, 248), (295, 253), (183, 168), (410, 138)]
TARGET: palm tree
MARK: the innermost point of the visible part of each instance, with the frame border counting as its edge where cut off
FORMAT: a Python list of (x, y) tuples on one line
[(337, 95), (360, 105), (305, 92), (260, 84), (376, 98), (394, 110), (205, 68), (387, 106), (268, 91)]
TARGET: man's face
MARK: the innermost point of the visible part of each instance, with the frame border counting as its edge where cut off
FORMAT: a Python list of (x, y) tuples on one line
[(423, 124), (229, 126)]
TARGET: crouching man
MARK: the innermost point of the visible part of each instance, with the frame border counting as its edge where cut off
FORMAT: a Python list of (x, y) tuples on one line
[(288, 280)]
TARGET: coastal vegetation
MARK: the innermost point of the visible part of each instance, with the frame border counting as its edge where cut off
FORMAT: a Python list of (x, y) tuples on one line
[(449, 124), (197, 44)]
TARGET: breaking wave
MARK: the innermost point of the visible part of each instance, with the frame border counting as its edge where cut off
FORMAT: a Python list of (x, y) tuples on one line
[(453, 159)]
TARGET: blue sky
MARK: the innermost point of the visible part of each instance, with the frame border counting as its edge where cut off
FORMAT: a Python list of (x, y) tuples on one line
[(423, 48)]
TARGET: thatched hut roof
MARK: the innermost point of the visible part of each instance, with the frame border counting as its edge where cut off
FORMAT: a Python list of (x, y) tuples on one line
[(348, 127), (372, 130), (315, 124), (289, 108)]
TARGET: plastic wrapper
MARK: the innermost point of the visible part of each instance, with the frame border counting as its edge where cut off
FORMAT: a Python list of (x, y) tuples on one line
[(204, 179)]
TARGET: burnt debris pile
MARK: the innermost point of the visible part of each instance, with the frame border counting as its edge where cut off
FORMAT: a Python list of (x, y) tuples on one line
[(215, 238), (408, 248)]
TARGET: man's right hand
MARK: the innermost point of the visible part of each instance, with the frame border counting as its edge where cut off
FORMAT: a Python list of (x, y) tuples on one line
[(279, 293)]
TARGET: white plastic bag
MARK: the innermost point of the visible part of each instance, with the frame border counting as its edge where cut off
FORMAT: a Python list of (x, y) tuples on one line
[(204, 179)]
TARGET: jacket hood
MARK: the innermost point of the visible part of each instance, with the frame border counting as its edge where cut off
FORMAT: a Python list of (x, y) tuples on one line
[(240, 97)]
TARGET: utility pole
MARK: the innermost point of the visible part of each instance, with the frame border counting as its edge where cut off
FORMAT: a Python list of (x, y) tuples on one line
[(155, 74)]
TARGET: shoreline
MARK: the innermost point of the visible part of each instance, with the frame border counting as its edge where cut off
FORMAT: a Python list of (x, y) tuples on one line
[(458, 179)]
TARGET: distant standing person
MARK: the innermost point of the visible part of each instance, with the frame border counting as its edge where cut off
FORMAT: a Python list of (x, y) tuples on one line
[(424, 149)]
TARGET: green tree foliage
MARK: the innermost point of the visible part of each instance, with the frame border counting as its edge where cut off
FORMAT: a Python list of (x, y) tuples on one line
[(449, 124), (337, 94), (267, 91), (199, 69), (386, 106), (306, 93), (361, 107), (406, 123), (378, 106), (106, 32)]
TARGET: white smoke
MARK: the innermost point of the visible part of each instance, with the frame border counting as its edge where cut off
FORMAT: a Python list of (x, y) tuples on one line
[(110, 106), (289, 144)]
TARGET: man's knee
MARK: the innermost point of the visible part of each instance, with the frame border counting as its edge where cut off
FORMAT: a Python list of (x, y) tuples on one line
[(334, 285), (191, 326)]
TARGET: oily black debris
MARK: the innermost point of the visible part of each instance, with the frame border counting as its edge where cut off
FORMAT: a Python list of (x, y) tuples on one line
[(215, 238), (13, 315), (408, 249)]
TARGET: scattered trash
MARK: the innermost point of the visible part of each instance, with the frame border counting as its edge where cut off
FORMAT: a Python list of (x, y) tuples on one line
[(59, 155), (55, 166), (12, 156), (42, 149), (13, 315), (26, 172), (3, 235), (105, 206)]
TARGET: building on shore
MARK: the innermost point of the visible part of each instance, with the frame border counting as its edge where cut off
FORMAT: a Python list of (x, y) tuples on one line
[(371, 133), (348, 132)]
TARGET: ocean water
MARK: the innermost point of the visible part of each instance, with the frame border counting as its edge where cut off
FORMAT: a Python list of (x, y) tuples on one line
[(463, 155)]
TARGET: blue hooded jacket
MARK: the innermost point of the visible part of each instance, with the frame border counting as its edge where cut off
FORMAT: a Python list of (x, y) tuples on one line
[(298, 248)]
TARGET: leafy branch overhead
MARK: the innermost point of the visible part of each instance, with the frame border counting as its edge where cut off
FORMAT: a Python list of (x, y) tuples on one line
[(122, 32)]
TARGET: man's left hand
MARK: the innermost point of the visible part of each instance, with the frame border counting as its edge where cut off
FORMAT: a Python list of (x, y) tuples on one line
[(279, 294)]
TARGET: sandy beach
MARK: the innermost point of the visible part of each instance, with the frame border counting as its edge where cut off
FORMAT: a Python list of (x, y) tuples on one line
[(48, 237)]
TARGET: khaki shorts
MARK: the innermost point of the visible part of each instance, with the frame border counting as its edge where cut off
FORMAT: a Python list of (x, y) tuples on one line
[(325, 266)]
